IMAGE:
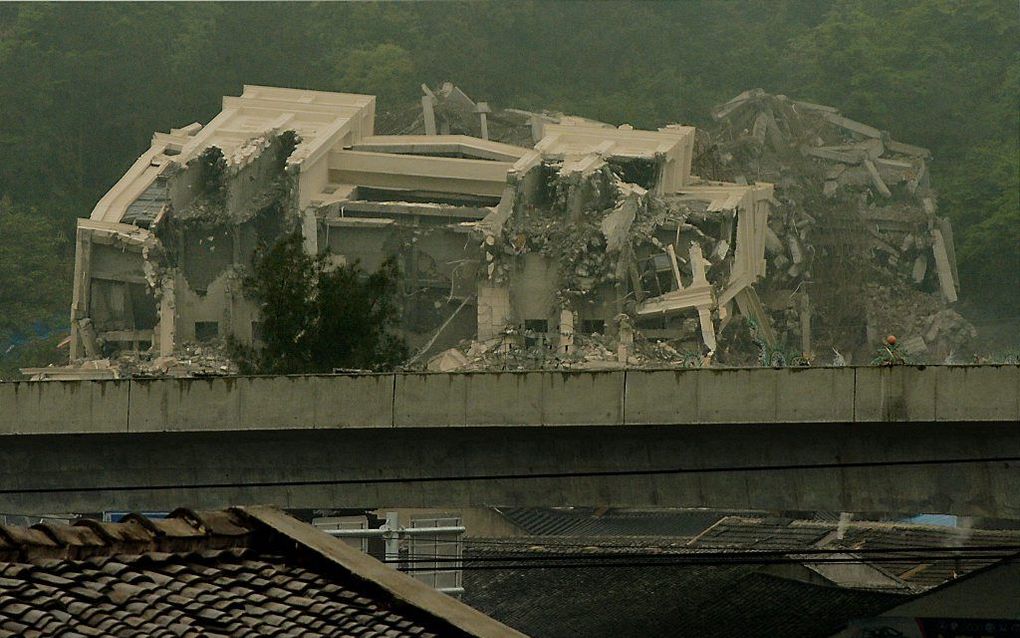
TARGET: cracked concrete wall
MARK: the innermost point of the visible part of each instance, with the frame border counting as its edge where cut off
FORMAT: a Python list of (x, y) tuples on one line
[(209, 240)]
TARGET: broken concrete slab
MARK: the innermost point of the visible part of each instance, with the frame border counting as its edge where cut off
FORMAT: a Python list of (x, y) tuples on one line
[(945, 272)]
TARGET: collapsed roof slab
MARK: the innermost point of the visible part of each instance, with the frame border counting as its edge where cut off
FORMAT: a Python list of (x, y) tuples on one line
[(675, 144), (469, 147), (413, 172), (322, 120)]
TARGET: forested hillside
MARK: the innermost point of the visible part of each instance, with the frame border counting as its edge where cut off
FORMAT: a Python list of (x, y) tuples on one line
[(83, 86)]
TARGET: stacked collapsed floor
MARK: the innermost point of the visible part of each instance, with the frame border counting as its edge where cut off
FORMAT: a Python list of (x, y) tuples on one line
[(856, 249)]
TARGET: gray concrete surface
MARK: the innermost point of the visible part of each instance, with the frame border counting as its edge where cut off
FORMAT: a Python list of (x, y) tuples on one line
[(739, 438), (518, 399)]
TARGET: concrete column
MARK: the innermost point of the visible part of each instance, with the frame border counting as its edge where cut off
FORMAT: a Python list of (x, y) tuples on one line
[(483, 110), (567, 318), (493, 311), (429, 114), (167, 328)]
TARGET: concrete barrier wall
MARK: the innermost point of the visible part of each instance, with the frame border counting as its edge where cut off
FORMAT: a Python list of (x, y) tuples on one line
[(509, 398), (253, 403), (795, 395), (632, 397), (938, 393), (53, 407)]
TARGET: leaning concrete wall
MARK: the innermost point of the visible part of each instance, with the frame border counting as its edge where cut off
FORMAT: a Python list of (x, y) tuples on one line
[(631, 397)]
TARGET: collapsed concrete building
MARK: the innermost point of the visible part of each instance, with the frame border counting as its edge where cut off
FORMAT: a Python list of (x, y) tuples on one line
[(552, 240)]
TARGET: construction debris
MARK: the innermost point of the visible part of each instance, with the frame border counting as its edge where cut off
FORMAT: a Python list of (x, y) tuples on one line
[(530, 239), (855, 227)]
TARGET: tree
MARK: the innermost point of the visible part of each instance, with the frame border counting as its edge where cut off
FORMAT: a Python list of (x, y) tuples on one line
[(317, 317), (385, 70), (35, 275)]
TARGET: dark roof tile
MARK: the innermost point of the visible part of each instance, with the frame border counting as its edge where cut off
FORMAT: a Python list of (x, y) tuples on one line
[(128, 537), (195, 574)]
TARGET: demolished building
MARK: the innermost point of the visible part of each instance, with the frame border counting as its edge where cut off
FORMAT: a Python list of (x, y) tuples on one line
[(523, 239), (856, 247)]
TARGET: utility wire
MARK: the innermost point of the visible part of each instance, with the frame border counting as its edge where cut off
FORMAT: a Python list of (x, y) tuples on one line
[(710, 554), (516, 477), (688, 562), (680, 544)]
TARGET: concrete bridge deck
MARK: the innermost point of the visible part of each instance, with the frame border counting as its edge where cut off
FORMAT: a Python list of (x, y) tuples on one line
[(910, 439)]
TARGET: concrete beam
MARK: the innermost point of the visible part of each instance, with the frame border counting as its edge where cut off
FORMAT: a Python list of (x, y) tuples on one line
[(900, 439), (479, 466), (415, 172), (922, 394), (441, 144)]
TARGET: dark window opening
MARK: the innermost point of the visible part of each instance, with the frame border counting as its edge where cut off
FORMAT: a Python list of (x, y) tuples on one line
[(256, 331), (369, 194), (206, 330), (592, 326), (535, 332), (643, 172), (207, 254)]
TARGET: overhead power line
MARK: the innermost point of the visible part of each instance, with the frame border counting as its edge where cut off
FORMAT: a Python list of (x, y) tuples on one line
[(735, 469), (684, 561), (885, 553)]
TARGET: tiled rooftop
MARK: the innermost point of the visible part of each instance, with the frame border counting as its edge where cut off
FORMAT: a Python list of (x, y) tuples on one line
[(611, 600), (213, 575), (549, 600)]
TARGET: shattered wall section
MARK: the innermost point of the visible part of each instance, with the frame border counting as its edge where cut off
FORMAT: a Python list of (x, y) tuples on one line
[(583, 254), (113, 306), (140, 292), (222, 209)]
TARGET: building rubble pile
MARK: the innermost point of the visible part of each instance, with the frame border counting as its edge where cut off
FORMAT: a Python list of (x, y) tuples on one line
[(785, 235), (590, 352), (855, 246), (207, 359), (854, 218)]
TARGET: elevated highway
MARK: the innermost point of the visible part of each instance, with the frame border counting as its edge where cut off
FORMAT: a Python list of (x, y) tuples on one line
[(904, 439)]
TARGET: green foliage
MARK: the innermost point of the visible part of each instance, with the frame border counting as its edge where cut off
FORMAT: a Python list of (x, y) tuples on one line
[(35, 274), (213, 169), (384, 70), (890, 355), (37, 352), (316, 318)]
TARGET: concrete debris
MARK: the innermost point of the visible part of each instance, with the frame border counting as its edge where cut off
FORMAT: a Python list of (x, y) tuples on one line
[(855, 226), (568, 242), (589, 352), (447, 361)]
